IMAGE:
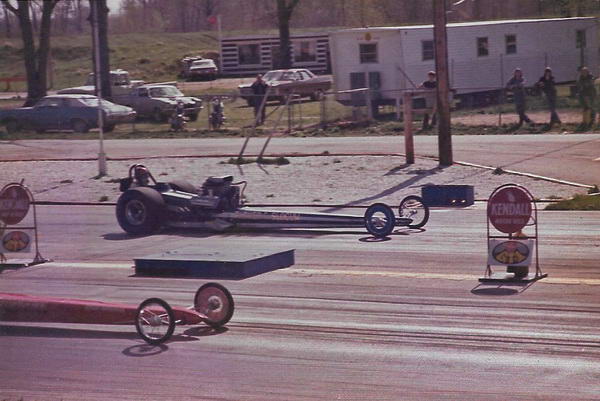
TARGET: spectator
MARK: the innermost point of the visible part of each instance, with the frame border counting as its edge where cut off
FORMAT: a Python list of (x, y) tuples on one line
[(517, 85), (548, 86), (259, 89), (430, 100), (587, 98)]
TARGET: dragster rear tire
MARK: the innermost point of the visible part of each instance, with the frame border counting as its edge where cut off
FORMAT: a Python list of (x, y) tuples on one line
[(413, 206), (140, 211), (150, 317), (215, 302), (380, 226)]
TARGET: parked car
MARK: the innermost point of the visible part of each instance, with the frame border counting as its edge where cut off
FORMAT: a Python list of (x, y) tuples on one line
[(77, 113), (202, 69), (299, 81), (159, 101)]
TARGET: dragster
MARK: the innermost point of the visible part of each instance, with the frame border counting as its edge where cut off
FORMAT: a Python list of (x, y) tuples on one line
[(146, 205), (154, 318)]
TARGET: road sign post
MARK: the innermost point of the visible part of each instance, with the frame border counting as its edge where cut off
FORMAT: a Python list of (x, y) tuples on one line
[(510, 209)]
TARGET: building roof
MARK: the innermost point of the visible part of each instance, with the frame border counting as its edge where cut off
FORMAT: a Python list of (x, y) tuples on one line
[(463, 24)]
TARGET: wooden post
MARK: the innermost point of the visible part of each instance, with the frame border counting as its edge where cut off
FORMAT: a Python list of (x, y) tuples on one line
[(409, 147), (443, 84)]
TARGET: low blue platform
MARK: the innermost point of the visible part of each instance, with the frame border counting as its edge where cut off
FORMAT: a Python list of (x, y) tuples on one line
[(233, 262)]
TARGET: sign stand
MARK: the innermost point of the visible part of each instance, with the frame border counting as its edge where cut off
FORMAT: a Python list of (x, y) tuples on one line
[(510, 209), (15, 201)]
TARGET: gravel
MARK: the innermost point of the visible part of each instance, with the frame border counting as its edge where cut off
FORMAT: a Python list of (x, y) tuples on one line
[(352, 180)]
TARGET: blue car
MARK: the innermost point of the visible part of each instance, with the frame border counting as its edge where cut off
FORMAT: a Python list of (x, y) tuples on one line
[(77, 113)]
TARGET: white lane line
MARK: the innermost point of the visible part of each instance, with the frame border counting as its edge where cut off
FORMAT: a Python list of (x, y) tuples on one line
[(339, 272)]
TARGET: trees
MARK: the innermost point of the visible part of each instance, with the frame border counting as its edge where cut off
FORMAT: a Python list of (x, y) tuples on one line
[(284, 15), (36, 60)]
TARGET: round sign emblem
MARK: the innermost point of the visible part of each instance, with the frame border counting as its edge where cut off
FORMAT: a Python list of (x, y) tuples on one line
[(509, 209), (14, 204), (510, 252), (15, 241)]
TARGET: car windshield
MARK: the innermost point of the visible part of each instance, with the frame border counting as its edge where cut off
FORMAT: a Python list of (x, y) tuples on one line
[(93, 102), (165, 91), (202, 63)]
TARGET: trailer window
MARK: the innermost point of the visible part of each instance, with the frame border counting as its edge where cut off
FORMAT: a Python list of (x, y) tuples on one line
[(482, 47), (248, 54), (368, 52), (511, 44), (580, 39), (305, 51), (427, 50)]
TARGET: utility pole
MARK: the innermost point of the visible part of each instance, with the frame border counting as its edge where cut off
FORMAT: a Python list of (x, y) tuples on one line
[(98, 84), (443, 82)]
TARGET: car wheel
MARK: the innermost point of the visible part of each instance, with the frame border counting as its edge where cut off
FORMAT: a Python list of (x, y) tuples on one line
[(317, 95), (194, 117), (380, 220), (158, 116), (140, 211), (80, 126), (12, 126), (109, 128), (413, 207), (215, 302), (155, 321)]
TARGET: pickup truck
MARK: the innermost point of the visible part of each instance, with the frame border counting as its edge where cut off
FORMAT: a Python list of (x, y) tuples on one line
[(158, 101), (119, 80)]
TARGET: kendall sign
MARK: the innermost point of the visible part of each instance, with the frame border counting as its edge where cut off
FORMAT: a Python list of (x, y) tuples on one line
[(509, 209)]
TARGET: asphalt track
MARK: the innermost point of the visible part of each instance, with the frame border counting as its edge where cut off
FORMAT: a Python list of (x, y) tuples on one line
[(354, 319)]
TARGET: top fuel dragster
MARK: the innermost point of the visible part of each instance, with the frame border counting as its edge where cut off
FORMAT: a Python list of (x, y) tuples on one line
[(147, 205)]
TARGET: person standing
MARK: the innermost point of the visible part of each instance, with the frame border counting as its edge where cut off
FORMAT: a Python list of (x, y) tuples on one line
[(259, 90), (517, 85), (430, 100), (587, 97), (548, 86)]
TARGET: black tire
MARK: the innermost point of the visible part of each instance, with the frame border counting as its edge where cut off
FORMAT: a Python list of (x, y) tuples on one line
[(215, 302), (317, 95), (183, 186), (194, 117), (151, 317), (12, 127), (380, 220), (140, 211), (412, 207), (80, 126), (109, 128)]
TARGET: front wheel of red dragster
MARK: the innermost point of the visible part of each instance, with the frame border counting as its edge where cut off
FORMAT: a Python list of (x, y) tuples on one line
[(380, 220), (155, 321), (412, 207), (215, 302)]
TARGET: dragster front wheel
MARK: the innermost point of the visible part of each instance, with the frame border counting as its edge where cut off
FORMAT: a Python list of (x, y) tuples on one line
[(380, 220), (215, 302), (155, 321), (412, 207)]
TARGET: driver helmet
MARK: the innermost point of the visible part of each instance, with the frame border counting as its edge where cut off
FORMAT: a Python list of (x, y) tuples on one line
[(141, 175)]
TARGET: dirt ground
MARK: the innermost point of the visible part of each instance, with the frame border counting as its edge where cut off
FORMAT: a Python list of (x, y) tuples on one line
[(352, 180)]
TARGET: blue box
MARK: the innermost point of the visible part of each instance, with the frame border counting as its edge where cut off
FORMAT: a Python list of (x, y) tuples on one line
[(448, 195)]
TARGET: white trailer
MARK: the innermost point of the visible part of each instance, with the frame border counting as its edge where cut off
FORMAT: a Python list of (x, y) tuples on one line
[(481, 56)]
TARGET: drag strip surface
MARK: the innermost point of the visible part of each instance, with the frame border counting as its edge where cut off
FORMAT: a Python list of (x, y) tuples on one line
[(353, 319)]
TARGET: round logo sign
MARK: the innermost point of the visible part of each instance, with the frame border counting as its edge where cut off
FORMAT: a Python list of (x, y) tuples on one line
[(509, 209), (15, 241), (510, 252), (14, 204)]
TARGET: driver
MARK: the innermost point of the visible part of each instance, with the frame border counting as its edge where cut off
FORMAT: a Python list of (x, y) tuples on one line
[(141, 176)]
